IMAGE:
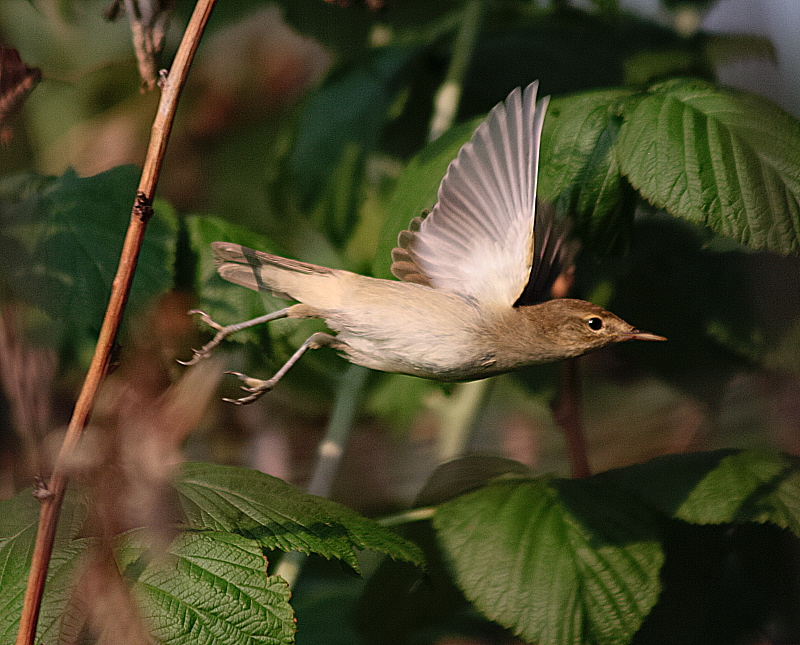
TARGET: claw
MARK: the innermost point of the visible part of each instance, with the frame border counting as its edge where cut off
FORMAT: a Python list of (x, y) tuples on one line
[(194, 359), (256, 387), (250, 384), (206, 319), (205, 350)]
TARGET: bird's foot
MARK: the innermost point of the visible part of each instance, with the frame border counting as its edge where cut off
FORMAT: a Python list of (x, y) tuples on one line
[(222, 334), (255, 386)]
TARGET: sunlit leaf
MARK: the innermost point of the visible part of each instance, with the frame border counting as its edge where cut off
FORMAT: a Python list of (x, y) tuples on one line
[(722, 158), (576, 561), (556, 562), (278, 516), (210, 587), (579, 172), (719, 487)]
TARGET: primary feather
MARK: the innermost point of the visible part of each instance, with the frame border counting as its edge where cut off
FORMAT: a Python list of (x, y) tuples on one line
[(478, 239)]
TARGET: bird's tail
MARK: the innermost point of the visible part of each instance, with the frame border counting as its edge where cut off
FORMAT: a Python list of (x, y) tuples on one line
[(315, 285)]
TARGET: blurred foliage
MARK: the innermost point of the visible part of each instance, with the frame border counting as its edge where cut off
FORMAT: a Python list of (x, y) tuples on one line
[(303, 132), (62, 238)]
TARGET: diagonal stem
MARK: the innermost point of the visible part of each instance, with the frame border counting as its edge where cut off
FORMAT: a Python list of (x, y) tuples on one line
[(140, 215), (337, 434)]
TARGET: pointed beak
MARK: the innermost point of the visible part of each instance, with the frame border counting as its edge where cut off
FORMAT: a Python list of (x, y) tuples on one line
[(641, 335)]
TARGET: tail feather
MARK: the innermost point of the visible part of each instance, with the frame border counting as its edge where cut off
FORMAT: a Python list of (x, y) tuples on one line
[(273, 274)]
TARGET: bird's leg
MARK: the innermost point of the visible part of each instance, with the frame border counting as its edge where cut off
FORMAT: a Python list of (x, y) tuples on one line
[(224, 332), (257, 387)]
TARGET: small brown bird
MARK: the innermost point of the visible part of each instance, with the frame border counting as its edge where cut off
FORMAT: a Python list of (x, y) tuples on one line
[(458, 313)]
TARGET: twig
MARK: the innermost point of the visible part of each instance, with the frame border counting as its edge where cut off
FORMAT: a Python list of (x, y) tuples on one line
[(140, 215)]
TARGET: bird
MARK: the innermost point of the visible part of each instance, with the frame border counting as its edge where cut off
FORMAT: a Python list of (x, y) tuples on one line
[(467, 271)]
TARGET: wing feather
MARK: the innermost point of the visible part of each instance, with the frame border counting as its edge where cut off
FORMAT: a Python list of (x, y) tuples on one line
[(478, 239)]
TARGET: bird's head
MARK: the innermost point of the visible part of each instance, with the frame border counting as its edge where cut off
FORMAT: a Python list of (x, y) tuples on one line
[(575, 327)]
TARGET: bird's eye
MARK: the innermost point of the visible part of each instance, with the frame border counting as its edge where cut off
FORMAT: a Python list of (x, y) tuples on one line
[(595, 323)]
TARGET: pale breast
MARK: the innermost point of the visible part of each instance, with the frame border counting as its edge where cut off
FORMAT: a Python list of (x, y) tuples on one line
[(412, 329)]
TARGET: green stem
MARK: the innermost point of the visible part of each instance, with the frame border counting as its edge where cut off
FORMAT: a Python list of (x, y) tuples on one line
[(449, 95), (406, 517), (458, 418), (329, 454), (331, 448)]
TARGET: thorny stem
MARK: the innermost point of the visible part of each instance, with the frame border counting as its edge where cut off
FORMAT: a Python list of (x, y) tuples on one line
[(140, 215)]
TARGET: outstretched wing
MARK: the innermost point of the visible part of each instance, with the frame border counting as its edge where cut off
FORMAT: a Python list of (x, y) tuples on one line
[(478, 239)]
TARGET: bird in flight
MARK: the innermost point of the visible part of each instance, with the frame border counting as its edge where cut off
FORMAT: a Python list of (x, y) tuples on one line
[(468, 272)]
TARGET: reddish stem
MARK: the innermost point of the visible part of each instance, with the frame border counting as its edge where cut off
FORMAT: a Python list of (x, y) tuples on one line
[(140, 215), (568, 414)]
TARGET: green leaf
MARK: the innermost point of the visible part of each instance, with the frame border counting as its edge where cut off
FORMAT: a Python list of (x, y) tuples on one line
[(721, 158), (646, 67), (278, 516), (210, 587), (19, 518), (719, 487), (60, 247), (418, 187), (574, 561), (556, 561), (211, 584), (579, 172)]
